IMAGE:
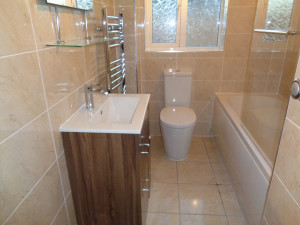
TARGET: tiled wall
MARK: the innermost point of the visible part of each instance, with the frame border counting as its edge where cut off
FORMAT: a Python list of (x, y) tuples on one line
[(39, 88), (223, 71), (283, 202)]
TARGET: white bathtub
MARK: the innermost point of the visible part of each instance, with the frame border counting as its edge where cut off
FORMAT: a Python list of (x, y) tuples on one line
[(248, 165)]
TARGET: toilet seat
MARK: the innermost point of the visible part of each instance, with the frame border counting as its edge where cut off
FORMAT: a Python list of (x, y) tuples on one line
[(177, 117)]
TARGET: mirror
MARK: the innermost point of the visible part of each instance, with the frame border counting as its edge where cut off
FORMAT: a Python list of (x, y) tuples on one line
[(78, 4)]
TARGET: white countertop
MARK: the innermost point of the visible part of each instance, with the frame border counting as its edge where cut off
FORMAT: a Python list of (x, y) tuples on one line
[(86, 121)]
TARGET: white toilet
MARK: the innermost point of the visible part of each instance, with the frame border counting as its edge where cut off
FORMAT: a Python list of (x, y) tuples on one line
[(177, 121)]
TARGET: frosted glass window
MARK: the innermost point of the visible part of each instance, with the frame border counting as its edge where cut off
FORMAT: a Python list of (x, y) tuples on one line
[(164, 21), (278, 18), (203, 21)]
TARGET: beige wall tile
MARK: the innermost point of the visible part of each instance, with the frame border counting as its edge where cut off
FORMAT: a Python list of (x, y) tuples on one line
[(233, 86), (242, 3), (130, 47), (203, 110), (131, 79), (22, 94), (64, 174), (202, 129), (237, 45), (24, 158), (235, 68), (204, 90), (43, 22), (124, 2), (280, 208), (240, 19), (95, 62), (155, 128), (61, 218), (71, 210), (154, 109), (155, 88), (43, 202), (16, 29), (129, 19), (63, 72)]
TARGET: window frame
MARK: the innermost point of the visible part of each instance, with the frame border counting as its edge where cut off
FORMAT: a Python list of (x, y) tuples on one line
[(180, 45)]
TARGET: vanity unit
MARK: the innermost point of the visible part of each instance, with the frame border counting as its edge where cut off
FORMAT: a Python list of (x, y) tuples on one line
[(108, 158)]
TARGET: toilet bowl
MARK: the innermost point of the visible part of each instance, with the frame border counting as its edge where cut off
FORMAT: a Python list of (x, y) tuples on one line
[(177, 126), (177, 120)]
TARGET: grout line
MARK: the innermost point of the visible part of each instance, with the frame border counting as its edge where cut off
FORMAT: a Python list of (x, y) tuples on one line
[(291, 121), (24, 198), (57, 212)]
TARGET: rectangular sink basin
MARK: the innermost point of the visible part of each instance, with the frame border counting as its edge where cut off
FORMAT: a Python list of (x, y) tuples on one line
[(115, 113), (116, 110)]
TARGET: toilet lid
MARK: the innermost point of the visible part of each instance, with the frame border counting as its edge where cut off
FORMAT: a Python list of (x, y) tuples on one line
[(177, 117)]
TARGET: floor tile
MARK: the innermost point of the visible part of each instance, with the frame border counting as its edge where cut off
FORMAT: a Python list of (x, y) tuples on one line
[(220, 173), (188, 219), (211, 149), (163, 172), (197, 151), (195, 173), (164, 198), (157, 149), (200, 199), (233, 220), (162, 219), (230, 201)]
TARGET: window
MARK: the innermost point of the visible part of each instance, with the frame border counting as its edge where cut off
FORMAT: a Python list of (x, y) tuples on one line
[(185, 25)]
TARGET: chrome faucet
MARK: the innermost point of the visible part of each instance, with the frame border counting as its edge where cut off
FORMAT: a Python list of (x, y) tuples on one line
[(90, 89)]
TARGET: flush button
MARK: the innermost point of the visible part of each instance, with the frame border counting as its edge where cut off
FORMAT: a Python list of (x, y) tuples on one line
[(295, 89)]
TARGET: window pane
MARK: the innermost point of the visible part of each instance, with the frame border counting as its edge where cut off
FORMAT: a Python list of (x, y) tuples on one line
[(203, 21), (164, 21), (278, 17)]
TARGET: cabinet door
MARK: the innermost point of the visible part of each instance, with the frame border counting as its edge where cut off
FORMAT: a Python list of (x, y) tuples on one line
[(144, 168)]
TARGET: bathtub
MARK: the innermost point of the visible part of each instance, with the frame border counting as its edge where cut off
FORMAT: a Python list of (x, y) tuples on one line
[(243, 126)]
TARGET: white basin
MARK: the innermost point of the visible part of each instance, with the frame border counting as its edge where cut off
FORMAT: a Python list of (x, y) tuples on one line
[(116, 113), (116, 110)]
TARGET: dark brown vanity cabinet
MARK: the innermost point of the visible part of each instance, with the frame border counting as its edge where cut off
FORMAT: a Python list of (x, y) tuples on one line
[(109, 176)]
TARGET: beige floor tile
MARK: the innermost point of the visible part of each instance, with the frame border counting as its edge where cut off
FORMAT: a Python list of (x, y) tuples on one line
[(158, 152), (195, 173), (220, 173), (200, 199), (163, 172), (211, 149), (164, 198), (230, 201), (187, 219), (233, 220), (162, 219), (197, 151)]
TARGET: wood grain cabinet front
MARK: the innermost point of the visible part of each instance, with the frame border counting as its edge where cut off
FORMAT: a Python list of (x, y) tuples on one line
[(109, 176)]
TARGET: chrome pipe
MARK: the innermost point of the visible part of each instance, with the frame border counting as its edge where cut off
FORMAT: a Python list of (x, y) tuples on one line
[(114, 24), (118, 66), (113, 17), (115, 45), (284, 32)]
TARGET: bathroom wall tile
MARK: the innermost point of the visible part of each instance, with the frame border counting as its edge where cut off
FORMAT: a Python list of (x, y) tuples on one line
[(63, 72), (131, 79), (22, 94), (94, 60), (237, 45), (98, 6), (163, 172), (162, 219), (202, 129), (61, 112), (195, 173), (71, 210), (273, 86), (230, 201), (124, 3), (26, 156), (130, 47), (242, 3), (155, 88), (240, 19), (154, 127), (220, 173), (203, 110), (61, 218), (235, 68), (204, 90), (164, 198), (153, 68), (200, 199), (197, 151), (43, 19), (280, 207), (43, 202), (236, 220), (129, 19), (264, 221), (211, 149), (288, 158), (64, 174), (233, 86), (131, 89), (158, 152), (187, 219), (16, 30), (203, 68), (213, 54), (155, 108)]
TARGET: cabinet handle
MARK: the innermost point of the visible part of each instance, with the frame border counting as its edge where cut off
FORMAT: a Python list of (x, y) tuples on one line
[(144, 152), (147, 180), (145, 189), (146, 144)]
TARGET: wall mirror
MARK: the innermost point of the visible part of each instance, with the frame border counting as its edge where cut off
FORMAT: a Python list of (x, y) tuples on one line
[(78, 4)]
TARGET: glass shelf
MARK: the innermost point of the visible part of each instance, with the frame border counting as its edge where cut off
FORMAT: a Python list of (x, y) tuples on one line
[(80, 42)]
